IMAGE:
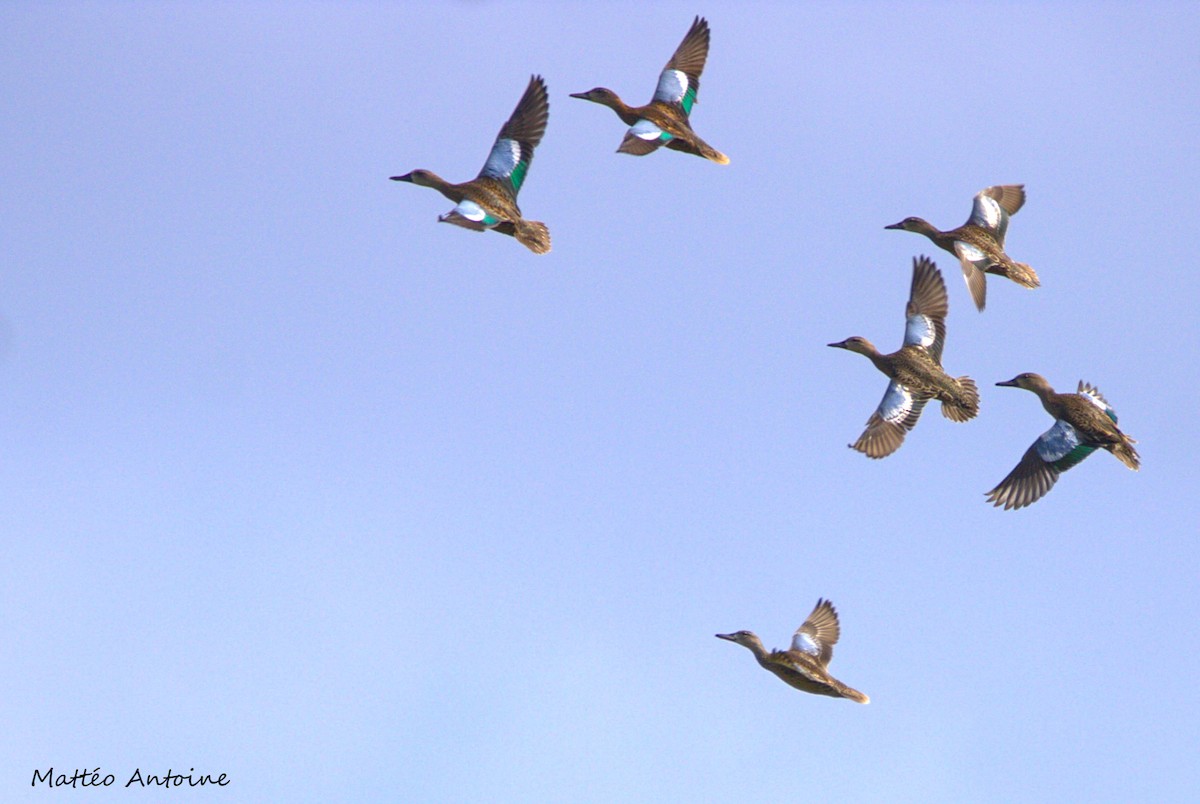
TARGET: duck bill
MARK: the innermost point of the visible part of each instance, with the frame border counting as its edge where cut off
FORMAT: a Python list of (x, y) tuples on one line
[(726, 636), (899, 225), (1009, 383), (406, 177), (838, 345)]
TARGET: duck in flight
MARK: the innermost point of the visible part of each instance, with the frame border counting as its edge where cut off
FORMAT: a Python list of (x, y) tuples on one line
[(489, 201), (665, 119), (805, 665), (915, 371), (1083, 423), (979, 243)]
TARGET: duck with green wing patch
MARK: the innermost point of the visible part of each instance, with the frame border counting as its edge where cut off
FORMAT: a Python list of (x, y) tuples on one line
[(1083, 423), (665, 120), (489, 201)]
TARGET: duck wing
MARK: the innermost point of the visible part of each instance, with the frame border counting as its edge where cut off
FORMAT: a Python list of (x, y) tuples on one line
[(512, 152), (897, 413), (975, 263), (1054, 452), (1092, 394), (643, 137), (928, 305), (819, 633), (679, 81), (994, 205)]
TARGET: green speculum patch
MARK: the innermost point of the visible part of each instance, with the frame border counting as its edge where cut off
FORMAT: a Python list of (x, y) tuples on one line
[(517, 177), (1073, 457), (689, 100)]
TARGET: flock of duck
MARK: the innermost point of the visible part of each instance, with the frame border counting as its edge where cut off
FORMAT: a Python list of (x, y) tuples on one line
[(1083, 421)]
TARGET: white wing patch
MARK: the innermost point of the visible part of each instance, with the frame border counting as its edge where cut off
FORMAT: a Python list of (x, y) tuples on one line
[(987, 212), (672, 84), (968, 252), (897, 403), (503, 159), (806, 644), (470, 210), (1057, 442), (918, 331), (645, 130), (1093, 396)]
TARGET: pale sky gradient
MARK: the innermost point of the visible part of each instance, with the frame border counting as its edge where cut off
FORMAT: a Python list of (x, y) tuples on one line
[(302, 486)]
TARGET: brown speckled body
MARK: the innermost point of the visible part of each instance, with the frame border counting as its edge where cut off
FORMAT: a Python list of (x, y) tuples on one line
[(1034, 475), (806, 670), (689, 58)]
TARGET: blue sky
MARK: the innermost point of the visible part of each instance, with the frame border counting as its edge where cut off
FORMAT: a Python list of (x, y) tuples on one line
[(301, 486)]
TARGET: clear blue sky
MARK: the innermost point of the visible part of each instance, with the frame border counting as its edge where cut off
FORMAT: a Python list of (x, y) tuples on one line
[(302, 486)]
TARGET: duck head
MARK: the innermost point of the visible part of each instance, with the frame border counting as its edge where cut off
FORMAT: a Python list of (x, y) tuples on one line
[(911, 225), (423, 178), (601, 95), (747, 639), (856, 344), (1029, 381)]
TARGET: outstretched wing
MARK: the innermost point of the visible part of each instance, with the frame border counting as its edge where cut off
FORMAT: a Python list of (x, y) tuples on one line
[(1055, 451), (897, 413), (513, 150), (819, 633), (679, 81), (1027, 483), (993, 205), (928, 305), (1010, 196)]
